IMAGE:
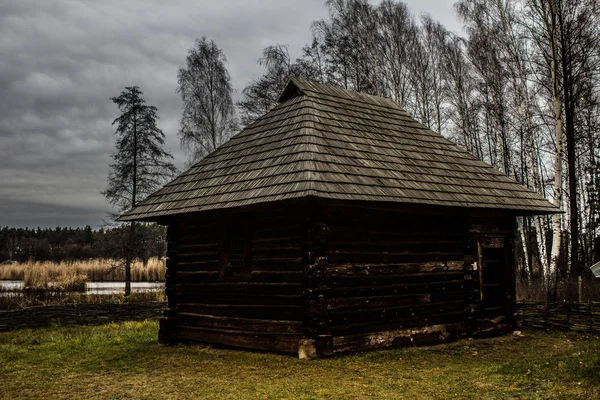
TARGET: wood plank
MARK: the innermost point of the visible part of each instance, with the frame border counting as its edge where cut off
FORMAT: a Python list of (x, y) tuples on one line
[(237, 323), (274, 267), (253, 311), (383, 290), (277, 276), (284, 343), (210, 265), (398, 338), (208, 247), (403, 279), (426, 245), (283, 252), (342, 303), (391, 269), (403, 323), (346, 317), (338, 257), (283, 262), (251, 288), (197, 257), (242, 299)]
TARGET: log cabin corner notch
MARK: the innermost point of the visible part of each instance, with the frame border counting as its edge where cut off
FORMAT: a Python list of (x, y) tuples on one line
[(336, 222)]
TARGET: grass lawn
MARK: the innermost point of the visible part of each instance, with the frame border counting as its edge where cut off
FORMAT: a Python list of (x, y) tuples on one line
[(121, 361)]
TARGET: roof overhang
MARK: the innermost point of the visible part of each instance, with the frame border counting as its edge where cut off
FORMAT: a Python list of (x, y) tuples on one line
[(596, 269)]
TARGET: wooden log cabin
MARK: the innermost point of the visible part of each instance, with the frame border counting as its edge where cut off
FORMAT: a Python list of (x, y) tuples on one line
[(334, 223)]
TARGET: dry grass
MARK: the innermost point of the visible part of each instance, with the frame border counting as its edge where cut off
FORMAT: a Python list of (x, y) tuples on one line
[(42, 276), (71, 274)]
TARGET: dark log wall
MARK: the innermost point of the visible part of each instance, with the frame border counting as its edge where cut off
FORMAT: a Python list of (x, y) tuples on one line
[(342, 278), (262, 310), (495, 232), (391, 272), (402, 276)]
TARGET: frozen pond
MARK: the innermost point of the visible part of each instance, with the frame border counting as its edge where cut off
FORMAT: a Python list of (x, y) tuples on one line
[(119, 287), (97, 287)]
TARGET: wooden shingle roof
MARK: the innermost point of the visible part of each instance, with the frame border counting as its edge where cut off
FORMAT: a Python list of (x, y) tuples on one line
[(329, 142)]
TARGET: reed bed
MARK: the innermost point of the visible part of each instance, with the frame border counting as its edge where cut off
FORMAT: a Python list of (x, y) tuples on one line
[(72, 274)]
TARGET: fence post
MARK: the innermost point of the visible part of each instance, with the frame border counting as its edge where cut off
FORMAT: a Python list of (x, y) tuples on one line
[(591, 317)]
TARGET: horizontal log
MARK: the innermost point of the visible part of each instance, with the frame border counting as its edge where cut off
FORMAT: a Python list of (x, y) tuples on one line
[(183, 255), (235, 288), (236, 323), (345, 317), (403, 220), (277, 252), (398, 338), (397, 246), (186, 277), (285, 229), (200, 247), (391, 269), (242, 299), (342, 303), (274, 267), (284, 263), (252, 311), (199, 225), (383, 290), (413, 322), (284, 343), (210, 265), (277, 276), (397, 258), (373, 280), (268, 241), (194, 238), (337, 234), (197, 257)]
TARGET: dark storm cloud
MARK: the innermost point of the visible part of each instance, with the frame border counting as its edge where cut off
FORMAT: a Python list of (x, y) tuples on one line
[(61, 61)]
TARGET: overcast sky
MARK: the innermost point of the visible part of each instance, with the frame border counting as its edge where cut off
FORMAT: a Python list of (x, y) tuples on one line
[(62, 60)]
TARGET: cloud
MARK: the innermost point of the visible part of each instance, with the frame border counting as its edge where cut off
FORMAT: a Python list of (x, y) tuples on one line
[(61, 61)]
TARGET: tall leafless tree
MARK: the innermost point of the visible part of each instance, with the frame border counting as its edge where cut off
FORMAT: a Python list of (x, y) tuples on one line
[(204, 84)]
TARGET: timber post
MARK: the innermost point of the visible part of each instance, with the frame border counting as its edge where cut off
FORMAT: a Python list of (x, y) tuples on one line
[(510, 268), (471, 278), (470, 294), (318, 340), (316, 321), (167, 333)]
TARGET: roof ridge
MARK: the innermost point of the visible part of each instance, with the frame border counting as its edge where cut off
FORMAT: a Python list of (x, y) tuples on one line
[(305, 85)]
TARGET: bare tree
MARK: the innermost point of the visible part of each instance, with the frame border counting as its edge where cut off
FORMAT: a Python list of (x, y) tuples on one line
[(396, 42), (208, 118)]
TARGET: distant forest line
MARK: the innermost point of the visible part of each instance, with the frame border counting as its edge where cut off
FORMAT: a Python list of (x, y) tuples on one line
[(73, 244)]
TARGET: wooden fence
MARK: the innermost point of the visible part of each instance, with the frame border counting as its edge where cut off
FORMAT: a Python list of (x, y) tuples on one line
[(580, 317), (83, 314), (572, 316)]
